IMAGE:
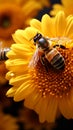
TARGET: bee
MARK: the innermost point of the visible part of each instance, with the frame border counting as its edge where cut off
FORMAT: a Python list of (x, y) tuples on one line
[(45, 51), (3, 52)]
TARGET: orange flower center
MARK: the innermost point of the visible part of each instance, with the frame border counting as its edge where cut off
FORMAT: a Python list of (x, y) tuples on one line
[(5, 21), (55, 82)]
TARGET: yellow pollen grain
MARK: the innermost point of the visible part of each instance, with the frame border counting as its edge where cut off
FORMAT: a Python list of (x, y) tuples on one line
[(40, 90), (48, 90)]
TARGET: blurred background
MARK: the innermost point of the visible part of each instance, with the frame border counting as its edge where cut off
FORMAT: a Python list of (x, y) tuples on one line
[(16, 14)]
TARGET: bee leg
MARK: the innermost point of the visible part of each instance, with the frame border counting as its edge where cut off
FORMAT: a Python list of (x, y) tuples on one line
[(61, 46), (57, 45), (42, 59)]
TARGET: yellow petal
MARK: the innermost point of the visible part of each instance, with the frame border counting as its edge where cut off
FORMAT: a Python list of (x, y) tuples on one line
[(11, 92), (16, 65), (51, 111), (43, 109), (23, 91), (66, 107), (22, 49), (9, 75), (16, 62), (19, 79), (36, 24), (56, 9), (60, 24), (32, 99), (11, 54), (18, 37), (38, 105), (69, 28), (30, 32), (47, 26)]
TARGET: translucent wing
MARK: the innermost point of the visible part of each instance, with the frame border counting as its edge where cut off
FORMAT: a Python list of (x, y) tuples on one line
[(35, 59), (60, 40)]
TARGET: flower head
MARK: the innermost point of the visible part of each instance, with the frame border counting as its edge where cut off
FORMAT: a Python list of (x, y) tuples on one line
[(47, 92), (66, 6)]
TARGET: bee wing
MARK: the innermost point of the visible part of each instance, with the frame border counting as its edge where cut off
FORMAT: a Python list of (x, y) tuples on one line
[(65, 42), (61, 41), (35, 59)]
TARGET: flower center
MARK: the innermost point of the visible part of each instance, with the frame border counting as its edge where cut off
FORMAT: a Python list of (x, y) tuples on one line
[(55, 82), (5, 21)]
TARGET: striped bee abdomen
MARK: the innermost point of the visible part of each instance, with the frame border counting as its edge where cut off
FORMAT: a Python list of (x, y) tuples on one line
[(58, 61), (3, 52), (55, 59)]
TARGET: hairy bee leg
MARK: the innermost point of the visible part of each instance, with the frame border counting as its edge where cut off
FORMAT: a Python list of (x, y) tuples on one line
[(42, 59)]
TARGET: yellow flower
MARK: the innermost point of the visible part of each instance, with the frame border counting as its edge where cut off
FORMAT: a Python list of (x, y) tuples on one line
[(15, 14), (66, 6), (47, 93), (7, 122)]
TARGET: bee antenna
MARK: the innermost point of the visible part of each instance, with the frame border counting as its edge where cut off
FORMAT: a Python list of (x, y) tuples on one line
[(33, 37)]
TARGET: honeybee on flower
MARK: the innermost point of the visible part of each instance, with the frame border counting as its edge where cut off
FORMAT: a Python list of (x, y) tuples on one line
[(47, 93)]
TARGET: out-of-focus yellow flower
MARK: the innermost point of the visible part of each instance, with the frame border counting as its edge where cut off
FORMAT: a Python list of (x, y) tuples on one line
[(66, 6), (7, 122), (15, 14), (48, 93)]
